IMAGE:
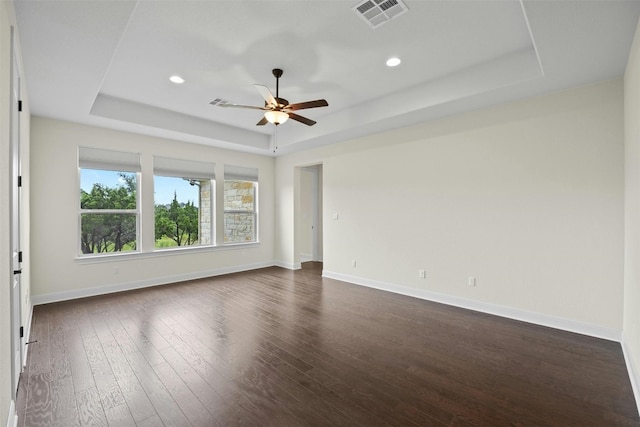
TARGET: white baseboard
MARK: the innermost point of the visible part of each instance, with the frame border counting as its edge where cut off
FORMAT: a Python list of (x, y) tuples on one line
[(127, 286), (633, 373), (309, 258), (288, 265), (494, 309), (12, 419)]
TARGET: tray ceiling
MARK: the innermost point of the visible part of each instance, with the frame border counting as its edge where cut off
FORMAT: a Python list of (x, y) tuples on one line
[(107, 63)]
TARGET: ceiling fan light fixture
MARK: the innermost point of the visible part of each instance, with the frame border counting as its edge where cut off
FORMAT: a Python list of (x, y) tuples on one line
[(393, 62), (276, 117)]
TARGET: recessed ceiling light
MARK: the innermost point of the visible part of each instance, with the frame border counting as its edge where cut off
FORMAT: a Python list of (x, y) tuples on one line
[(393, 62), (176, 79)]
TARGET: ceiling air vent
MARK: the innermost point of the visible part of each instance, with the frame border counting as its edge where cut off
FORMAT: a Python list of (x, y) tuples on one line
[(377, 12), (218, 101)]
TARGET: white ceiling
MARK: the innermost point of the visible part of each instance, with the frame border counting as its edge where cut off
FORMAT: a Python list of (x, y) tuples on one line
[(107, 63)]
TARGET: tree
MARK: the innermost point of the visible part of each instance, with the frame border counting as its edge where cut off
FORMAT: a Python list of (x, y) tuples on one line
[(191, 223), (178, 221), (162, 222)]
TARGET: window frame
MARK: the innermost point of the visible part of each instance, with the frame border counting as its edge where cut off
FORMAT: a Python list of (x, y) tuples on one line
[(212, 221), (133, 163), (91, 158), (242, 174), (188, 170)]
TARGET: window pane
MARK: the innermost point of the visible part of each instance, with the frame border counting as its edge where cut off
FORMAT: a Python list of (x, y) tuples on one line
[(238, 196), (239, 227), (239, 211), (113, 232), (115, 192), (103, 189), (182, 212)]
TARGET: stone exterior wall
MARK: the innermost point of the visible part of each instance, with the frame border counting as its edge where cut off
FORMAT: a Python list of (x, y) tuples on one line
[(239, 224), (204, 233)]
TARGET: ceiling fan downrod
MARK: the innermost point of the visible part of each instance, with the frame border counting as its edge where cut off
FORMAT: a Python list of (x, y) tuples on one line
[(277, 73)]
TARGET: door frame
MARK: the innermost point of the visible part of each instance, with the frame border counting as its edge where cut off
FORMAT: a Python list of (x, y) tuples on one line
[(17, 341)]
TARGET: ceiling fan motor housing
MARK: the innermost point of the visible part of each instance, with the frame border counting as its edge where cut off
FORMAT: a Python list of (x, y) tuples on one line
[(281, 103)]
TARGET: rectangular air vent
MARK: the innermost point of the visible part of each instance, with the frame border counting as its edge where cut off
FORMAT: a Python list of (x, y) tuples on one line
[(218, 101), (377, 12)]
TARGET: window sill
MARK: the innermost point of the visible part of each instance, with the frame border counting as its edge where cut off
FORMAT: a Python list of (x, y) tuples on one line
[(94, 259)]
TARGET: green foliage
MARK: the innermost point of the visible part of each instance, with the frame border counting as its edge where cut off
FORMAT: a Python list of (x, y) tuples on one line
[(178, 222), (165, 242), (109, 232)]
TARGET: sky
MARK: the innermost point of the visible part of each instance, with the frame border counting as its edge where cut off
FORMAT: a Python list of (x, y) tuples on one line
[(164, 187)]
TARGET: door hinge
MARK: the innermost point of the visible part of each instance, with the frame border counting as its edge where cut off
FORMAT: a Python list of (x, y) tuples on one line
[(20, 105), (17, 271), (19, 180), (20, 256), (21, 331)]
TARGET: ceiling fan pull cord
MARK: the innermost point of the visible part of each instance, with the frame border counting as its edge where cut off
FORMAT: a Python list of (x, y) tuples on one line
[(275, 138)]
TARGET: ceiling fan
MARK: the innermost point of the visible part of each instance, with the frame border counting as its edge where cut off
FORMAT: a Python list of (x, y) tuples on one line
[(277, 110)]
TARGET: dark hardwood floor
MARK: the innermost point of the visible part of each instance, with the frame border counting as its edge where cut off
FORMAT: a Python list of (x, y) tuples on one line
[(276, 347)]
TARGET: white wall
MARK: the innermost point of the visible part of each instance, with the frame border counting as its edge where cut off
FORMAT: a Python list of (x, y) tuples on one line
[(54, 221), (526, 197), (631, 339)]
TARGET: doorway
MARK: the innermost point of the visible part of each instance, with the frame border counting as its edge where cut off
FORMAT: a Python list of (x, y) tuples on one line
[(310, 214)]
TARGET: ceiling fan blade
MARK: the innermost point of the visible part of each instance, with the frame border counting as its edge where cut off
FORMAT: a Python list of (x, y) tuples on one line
[(308, 104), (230, 105), (262, 122), (301, 119), (266, 94)]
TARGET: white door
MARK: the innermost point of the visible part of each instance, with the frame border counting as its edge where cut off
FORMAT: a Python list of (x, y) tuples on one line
[(16, 256)]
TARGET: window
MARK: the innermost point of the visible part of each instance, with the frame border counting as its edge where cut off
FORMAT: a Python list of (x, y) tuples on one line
[(113, 194), (240, 204), (183, 195), (109, 207)]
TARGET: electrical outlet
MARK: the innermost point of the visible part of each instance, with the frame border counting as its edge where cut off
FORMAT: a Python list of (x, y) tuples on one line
[(353, 263), (422, 274), (116, 269), (471, 281)]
